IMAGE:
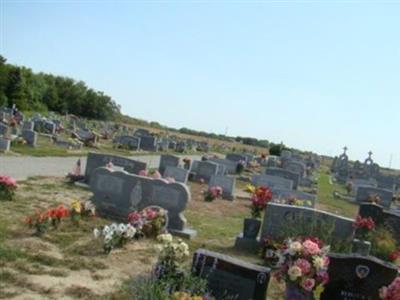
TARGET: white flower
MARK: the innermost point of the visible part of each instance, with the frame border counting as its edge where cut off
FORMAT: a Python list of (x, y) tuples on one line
[(130, 231), (106, 230), (165, 238), (121, 228), (294, 272), (295, 247), (96, 233), (108, 238), (114, 227)]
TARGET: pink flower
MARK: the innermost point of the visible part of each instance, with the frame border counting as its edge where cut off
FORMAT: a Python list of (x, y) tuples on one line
[(304, 265), (311, 248), (170, 179), (308, 284), (143, 173), (151, 214), (8, 181), (134, 217), (201, 180), (323, 277)]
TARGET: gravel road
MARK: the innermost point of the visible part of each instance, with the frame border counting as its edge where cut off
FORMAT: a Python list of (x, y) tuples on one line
[(21, 167)]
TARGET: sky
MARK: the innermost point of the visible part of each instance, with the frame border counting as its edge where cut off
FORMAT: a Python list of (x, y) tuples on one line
[(315, 75)]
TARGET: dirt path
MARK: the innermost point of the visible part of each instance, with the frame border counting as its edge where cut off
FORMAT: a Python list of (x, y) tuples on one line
[(26, 166)]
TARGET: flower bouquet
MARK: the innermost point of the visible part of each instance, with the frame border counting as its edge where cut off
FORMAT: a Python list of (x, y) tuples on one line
[(213, 193), (363, 227), (259, 200), (41, 220), (304, 267), (391, 292), (82, 209), (151, 221), (115, 235), (8, 186)]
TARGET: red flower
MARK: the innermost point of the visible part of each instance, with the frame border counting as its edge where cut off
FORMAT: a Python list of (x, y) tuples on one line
[(367, 223)]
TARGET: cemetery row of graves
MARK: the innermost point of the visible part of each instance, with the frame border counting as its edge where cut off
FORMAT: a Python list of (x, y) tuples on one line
[(62, 135), (243, 227)]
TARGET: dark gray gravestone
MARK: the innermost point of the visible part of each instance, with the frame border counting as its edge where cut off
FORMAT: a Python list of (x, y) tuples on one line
[(273, 182), (142, 132), (4, 144), (205, 169), (230, 166), (181, 147), (226, 183), (279, 218), (96, 160), (365, 192), (117, 193), (386, 182), (284, 174), (283, 195), (27, 125), (30, 137), (4, 130), (194, 166), (286, 154), (168, 160), (148, 143), (133, 142), (179, 174), (236, 157), (231, 277), (355, 277), (295, 167)]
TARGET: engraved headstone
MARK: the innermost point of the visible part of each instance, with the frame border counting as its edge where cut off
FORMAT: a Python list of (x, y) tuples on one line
[(273, 182), (179, 174), (226, 183), (4, 144), (284, 174), (30, 137), (167, 160), (231, 278), (366, 194), (205, 169)]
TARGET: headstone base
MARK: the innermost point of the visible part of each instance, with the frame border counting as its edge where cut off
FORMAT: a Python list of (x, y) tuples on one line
[(246, 244), (186, 233), (82, 184)]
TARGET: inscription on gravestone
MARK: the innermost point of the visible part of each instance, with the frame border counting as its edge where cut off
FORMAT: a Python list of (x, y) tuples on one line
[(230, 277)]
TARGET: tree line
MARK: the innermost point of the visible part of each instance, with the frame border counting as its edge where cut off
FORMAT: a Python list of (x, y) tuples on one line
[(42, 92)]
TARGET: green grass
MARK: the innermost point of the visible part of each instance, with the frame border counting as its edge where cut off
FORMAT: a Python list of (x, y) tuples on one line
[(327, 202)]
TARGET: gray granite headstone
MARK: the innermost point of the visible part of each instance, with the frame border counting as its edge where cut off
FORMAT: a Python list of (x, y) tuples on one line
[(295, 167), (228, 185), (273, 182), (282, 195), (117, 193), (280, 217), (96, 160), (205, 169), (365, 192), (167, 160), (30, 136), (148, 143), (4, 144), (230, 166), (27, 125), (194, 166), (356, 277), (236, 157), (179, 174), (4, 129), (231, 278), (284, 174), (133, 142)]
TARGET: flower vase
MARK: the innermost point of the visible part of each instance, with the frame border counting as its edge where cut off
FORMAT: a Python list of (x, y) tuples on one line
[(361, 247), (251, 227), (293, 292)]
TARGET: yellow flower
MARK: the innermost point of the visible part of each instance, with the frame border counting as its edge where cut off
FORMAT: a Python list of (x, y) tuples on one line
[(197, 298), (318, 291), (76, 206), (250, 188), (180, 296)]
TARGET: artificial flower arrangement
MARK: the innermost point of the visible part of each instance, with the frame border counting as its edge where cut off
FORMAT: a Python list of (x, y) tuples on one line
[(213, 193), (41, 220), (292, 200), (115, 235), (8, 186), (363, 227), (391, 292), (151, 221), (156, 175), (303, 265), (250, 188), (395, 256), (259, 200), (81, 210)]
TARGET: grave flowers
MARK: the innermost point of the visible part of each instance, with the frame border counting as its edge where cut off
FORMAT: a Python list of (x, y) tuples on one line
[(259, 200), (41, 220), (303, 267), (8, 186), (364, 227), (213, 193), (391, 292), (115, 235), (151, 221), (82, 209)]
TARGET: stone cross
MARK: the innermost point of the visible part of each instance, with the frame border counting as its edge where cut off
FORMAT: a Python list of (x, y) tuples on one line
[(370, 154), (345, 149)]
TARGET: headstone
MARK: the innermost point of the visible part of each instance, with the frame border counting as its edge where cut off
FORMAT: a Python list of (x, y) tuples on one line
[(30, 136), (203, 147), (141, 132), (181, 147), (148, 143), (97, 160), (194, 166), (236, 157), (27, 125), (364, 194), (4, 129), (273, 182), (356, 277), (167, 160), (50, 127), (179, 174), (132, 142), (205, 169), (117, 193), (295, 167), (284, 174), (230, 166), (286, 154), (4, 144), (279, 219), (228, 185), (231, 278), (281, 195)]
